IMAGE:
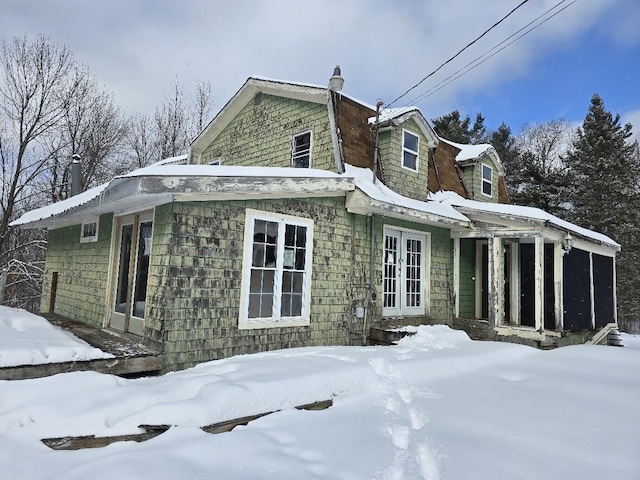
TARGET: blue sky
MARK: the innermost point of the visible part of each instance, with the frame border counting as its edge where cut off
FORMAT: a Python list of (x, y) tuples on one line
[(137, 48)]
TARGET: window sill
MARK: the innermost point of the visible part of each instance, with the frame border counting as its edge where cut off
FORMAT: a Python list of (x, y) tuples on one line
[(262, 324)]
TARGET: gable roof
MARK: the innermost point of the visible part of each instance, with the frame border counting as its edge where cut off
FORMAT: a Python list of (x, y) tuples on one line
[(253, 85), (396, 116), (470, 154)]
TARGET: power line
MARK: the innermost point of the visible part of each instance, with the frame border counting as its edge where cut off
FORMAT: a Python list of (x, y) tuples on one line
[(487, 55), (460, 51)]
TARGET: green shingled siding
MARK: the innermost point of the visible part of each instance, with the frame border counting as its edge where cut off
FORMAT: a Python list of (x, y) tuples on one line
[(472, 176), (405, 181), (82, 273), (196, 274), (261, 134), (467, 302)]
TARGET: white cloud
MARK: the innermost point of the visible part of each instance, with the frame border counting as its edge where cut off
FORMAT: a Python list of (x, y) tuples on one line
[(633, 117), (138, 48)]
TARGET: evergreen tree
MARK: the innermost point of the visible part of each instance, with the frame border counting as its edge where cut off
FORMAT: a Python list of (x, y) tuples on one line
[(604, 176), (452, 127), (603, 173)]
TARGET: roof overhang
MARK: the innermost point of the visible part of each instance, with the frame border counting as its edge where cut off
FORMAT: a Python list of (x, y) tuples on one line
[(509, 225), (141, 192), (360, 203), (407, 114)]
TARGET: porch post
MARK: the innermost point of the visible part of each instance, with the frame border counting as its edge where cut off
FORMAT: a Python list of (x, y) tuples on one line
[(592, 292), (496, 282), (539, 283), (456, 277), (558, 285), (515, 284)]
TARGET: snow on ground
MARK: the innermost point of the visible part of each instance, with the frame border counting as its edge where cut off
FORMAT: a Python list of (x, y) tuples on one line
[(437, 405), (28, 339)]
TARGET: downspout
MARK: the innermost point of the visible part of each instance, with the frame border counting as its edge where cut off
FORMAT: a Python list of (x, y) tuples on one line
[(371, 296)]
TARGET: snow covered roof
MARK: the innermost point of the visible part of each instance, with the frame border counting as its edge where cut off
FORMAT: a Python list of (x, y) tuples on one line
[(520, 212), (469, 152), (381, 199), (387, 114), (162, 183)]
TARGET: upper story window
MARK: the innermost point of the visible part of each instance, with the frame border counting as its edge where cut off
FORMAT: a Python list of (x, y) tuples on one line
[(216, 161), (410, 150), (301, 150), (487, 175), (89, 231), (276, 278)]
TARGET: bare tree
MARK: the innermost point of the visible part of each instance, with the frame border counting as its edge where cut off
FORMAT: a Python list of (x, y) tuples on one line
[(172, 124), (537, 176), (92, 127), (179, 120), (201, 108), (141, 141), (36, 84)]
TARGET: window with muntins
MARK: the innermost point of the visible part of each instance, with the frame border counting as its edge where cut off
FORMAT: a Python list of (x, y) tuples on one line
[(89, 231), (301, 150), (487, 185), (277, 270), (405, 273), (410, 150)]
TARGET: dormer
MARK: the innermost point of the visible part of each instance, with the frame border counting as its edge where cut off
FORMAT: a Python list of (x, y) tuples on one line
[(482, 171), (406, 141)]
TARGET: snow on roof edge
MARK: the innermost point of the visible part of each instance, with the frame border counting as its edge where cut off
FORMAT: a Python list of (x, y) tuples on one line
[(533, 213)]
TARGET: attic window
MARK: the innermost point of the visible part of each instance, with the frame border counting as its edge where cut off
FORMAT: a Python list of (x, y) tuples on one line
[(487, 174), (410, 149), (89, 231), (301, 150), (216, 161)]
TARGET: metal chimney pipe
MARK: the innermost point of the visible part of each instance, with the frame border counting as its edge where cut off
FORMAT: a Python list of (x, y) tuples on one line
[(76, 175), (336, 82)]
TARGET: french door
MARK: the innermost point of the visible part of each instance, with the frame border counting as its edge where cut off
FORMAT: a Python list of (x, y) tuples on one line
[(404, 289), (133, 240)]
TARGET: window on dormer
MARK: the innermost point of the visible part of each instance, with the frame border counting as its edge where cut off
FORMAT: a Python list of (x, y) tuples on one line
[(301, 150), (410, 150), (487, 185)]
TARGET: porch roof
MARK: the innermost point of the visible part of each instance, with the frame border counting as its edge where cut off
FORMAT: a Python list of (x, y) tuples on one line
[(159, 184), (377, 198), (163, 183), (520, 214)]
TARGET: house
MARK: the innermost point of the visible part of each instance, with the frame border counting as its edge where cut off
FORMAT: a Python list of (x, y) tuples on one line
[(274, 232)]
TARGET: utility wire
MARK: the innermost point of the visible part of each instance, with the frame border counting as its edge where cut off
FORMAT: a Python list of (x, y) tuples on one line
[(487, 55), (459, 52)]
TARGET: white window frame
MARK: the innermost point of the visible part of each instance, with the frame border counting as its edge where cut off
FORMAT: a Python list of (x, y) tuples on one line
[(410, 151), (295, 155), (401, 308), (484, 181), (216, 162), (276, 320), (87, 223)]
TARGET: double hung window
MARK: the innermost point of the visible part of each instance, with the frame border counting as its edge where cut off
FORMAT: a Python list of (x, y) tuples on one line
[(487, 185), (277, 270), (301, 150), (405, 273), (410, 150)]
